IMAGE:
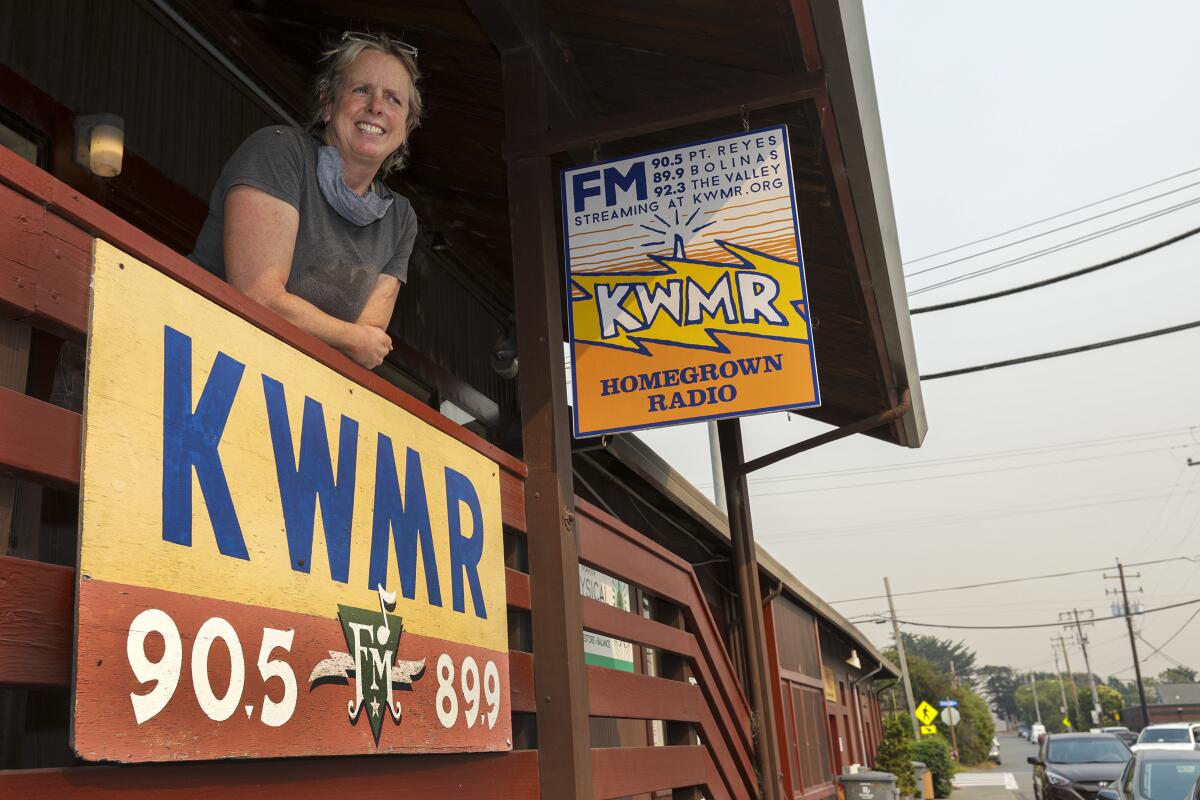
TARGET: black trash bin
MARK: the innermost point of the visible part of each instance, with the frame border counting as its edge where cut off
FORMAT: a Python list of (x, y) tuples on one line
[(869, 786)]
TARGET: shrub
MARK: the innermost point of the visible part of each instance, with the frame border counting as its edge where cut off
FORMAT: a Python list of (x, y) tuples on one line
[(896, 755), (976, 730), (934, 752)]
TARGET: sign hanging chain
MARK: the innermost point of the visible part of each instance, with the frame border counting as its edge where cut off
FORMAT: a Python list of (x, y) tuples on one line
[(745, 119)]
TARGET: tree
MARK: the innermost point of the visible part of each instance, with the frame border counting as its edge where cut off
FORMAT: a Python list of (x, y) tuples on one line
[(941, 653), (895, 754), (1129, 691), (928, 683), (1178, 674), (1111, 703), (1000, 688), (975, 729), (1049, 702)]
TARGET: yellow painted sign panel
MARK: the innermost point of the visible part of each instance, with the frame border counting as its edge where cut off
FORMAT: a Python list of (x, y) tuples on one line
[(274, 561), (926, 712), (830, 683), (686, 283)]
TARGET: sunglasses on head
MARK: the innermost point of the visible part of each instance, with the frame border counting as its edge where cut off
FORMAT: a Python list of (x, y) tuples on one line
[(371, 38)]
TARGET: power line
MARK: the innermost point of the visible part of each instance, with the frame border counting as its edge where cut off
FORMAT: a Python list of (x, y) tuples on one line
[(1045, 576), (1066, 352), (1059, 215), (1058, 278), (1100, 231), (1174, 661), (1087, 237), (1089, 502), (1172, 637), (1126, 438), (1040, 624), (962, 474)]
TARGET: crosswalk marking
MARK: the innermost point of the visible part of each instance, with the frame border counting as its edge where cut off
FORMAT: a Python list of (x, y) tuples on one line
[(965, 780)]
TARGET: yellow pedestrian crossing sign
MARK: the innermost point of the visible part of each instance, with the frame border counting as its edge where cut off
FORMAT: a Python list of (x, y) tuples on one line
[(926, 712), (1066, 722), (928, 730)]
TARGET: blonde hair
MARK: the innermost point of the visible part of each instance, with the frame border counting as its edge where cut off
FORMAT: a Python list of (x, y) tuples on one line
[(328, 83)]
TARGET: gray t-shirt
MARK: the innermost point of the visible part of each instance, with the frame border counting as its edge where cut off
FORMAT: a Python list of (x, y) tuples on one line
[(335, 263)]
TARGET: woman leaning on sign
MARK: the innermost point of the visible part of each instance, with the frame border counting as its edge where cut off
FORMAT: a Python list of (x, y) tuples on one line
[(302, 222)]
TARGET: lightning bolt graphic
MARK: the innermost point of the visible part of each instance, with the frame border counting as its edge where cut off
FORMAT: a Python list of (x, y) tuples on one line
[(690, 303)]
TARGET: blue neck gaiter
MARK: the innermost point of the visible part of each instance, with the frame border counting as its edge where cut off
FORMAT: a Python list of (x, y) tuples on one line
[(350, 206)]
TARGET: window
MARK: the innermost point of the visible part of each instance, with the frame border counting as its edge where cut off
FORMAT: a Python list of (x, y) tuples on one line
[(812, 740), (1087, 751), (796, 636), (1164, 736), (1168, 780), (23, 140)]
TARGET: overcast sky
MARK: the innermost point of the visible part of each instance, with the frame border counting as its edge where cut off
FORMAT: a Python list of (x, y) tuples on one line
[(996, 115)]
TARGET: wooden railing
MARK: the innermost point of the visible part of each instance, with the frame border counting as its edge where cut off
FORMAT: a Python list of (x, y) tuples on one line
[(46, 236)]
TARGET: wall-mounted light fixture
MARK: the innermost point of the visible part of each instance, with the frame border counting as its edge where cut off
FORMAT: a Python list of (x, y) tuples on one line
[(100, 143), (853, 660)]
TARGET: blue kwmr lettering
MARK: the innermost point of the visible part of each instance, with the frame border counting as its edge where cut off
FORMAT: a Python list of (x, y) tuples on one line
[(190, 439), (299, 487), (464, 552), (406, 519)]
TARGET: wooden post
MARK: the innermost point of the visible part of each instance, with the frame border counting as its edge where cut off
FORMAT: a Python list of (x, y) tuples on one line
[(745, 563), (560, 675), (14, 367)]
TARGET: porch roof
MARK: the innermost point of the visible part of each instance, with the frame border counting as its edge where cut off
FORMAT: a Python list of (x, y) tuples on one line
[(692, 63)]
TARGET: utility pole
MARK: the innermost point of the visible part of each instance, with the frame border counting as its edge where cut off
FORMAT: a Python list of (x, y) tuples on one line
[(1070, 676), (1062, 689), (953, 677), (912, 706), (1137, 664), (718, 472), (1074, 615), (1036, 706)]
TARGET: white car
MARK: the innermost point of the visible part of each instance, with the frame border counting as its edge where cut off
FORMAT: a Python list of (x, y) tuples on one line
[(1168, 736)]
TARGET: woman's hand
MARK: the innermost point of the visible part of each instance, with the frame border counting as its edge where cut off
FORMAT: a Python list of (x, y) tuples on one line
[(368, 345)]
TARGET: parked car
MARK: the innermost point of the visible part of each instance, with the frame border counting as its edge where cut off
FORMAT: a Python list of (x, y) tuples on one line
[(1036, 731), (1071, 766), (1156, 775), (1121, 732), (1169, 736), (994, 752), (1023, 731)]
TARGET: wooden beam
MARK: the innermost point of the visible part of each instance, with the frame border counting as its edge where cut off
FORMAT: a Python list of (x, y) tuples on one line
[(627, 626), (626, 695), (624, 771), (223, 28), (560, 678), (837, 174), (515, 25), (496, 776), (771, 93), (745, 564), (39, 441), (37, 624)]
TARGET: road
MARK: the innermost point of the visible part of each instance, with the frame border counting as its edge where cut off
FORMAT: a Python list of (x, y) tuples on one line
[(1012, 780), (1013, 752)]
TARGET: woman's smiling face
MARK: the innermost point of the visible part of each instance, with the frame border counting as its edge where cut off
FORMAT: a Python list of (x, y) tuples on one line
[(368, 118)]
